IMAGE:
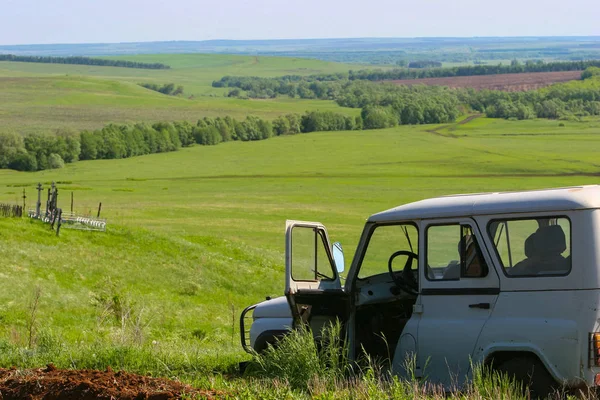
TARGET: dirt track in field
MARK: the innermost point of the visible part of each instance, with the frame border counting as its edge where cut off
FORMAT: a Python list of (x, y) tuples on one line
[(52, 383), (505, 82)]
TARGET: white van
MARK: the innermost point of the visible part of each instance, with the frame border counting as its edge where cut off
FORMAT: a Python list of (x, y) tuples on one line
[(511, 280)]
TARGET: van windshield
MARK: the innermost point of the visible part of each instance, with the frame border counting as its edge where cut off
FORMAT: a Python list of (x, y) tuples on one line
[(385, 241)]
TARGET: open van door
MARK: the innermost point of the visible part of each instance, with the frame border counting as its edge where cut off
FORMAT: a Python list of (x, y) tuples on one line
[(313, 286)]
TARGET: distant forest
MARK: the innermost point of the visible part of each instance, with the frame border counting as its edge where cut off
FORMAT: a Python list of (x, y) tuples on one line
[(83, 61), (384, 105), (283, 85), (36, 152), (374, 51), (403, 57), (516, 67)]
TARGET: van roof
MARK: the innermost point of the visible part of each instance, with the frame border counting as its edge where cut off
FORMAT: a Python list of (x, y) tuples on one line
[(464, 205)]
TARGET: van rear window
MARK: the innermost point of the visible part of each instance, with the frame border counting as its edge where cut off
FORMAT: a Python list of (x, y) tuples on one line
[(533, 246)]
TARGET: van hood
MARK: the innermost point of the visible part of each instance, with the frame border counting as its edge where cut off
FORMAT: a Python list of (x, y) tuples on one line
[(274, 308)]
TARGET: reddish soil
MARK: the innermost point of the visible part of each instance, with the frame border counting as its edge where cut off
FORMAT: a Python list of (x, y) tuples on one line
[(52, 383), (505, 82)]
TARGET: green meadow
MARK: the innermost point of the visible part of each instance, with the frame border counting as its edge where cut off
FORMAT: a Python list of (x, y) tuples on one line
[(44, 97), (196, 235)]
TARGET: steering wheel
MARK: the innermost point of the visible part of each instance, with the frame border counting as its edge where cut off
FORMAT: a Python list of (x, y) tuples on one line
[(406, 281)]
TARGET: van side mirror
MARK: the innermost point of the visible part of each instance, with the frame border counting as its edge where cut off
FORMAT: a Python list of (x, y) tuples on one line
[(338, 256)]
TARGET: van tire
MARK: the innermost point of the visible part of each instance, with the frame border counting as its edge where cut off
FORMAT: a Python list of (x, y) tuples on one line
[(531, 373), (267, 338)]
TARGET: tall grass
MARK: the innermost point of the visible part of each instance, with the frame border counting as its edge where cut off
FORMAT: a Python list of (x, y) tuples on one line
[(302, 361), (180, 359), (300, 367)]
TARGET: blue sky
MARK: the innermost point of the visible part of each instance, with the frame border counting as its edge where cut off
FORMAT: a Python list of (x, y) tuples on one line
[(89, 21)]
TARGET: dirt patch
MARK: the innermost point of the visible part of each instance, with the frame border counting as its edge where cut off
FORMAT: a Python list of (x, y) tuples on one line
[(469, 119), (505, 82), (52, 383)]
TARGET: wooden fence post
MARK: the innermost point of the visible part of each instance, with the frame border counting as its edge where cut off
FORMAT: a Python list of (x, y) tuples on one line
[(38, 205), (48, 203), (59, 221)]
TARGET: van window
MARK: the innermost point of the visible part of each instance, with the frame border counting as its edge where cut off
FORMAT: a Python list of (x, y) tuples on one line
[(310, 261), (533, 246), (453, 253)]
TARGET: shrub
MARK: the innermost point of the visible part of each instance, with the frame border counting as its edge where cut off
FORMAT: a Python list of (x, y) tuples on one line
[(377, 117), (55, 161), (209, 135), (23, 162), (167, 88), (89, 146), (589, 72), (10, 145)]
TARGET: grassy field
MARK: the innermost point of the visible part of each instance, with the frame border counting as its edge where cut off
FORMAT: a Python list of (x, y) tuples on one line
[(196, 235), (42, 97)]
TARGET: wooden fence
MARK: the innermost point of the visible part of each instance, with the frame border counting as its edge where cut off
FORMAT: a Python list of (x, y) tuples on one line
[(55, 216)]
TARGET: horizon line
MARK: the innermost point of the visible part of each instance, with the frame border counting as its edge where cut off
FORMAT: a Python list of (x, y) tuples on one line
[(305, 39)]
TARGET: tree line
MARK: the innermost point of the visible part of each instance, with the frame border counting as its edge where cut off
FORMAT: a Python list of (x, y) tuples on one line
[(37, 152), (290, 85), (83, 61), (422, 104), (382, 106), (515, 67), (302, 86), (569, 100), (167, 88), (386, 104)]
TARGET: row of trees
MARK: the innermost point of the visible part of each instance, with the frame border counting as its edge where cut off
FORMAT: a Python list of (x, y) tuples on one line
[(386, 104), (122, 141), (287, 85), (382, 106), (469, 70), (211, 131), (560, 101), (83, 61), (167, 88), (38, 152), (475, 55), (319, 86), (409, 105)]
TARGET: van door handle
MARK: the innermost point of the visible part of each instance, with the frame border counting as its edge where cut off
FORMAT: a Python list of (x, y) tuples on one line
[(485, 306)]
